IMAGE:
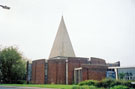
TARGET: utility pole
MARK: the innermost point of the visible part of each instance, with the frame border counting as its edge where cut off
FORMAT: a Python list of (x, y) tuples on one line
[(5, 7)]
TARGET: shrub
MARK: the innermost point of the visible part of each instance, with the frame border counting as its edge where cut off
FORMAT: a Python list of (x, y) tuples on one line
[(21, 82), (119, 87), (99, 84), (115, 83), (84, 87), (75, 87), (126, 83), (93, 87), (107, 83), (88, 82)]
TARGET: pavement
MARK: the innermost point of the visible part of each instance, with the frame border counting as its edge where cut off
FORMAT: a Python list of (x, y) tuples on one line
[(14, 87)]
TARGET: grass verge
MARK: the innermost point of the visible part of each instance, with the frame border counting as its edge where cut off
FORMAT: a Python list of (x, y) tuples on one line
[(41, 85)]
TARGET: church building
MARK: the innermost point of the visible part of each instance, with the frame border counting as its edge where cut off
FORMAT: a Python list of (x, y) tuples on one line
[(62, 66)]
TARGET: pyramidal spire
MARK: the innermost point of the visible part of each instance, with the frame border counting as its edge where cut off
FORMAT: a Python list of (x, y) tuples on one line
[(62, 45)]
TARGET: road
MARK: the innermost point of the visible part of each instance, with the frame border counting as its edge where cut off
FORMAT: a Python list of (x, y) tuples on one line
[(10, 87)]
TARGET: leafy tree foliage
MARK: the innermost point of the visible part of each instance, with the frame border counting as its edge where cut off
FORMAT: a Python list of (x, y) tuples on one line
[(12, 66), (121, 76)]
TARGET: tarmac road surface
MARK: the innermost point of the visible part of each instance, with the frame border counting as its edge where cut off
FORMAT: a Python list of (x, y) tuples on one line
[(12, 87)]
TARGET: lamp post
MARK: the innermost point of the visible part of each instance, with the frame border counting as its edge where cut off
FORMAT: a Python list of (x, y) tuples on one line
[(5, 7)]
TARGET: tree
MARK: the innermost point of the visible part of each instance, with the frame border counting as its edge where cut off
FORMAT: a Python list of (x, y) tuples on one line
[(12, 66), (121, 75)]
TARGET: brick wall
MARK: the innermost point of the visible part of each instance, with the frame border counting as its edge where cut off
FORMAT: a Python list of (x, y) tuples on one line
[(38, 71), (93, 72), (74, 62), (56, 71), (97, 61), (61, 72)]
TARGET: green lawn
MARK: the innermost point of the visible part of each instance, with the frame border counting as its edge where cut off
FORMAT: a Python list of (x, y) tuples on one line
[(41, 85)]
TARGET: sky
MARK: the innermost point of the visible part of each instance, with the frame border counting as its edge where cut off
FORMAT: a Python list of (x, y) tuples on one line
[(97, 28)]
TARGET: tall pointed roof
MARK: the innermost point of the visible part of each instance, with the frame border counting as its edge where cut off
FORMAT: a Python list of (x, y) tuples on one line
[(62, 45)]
